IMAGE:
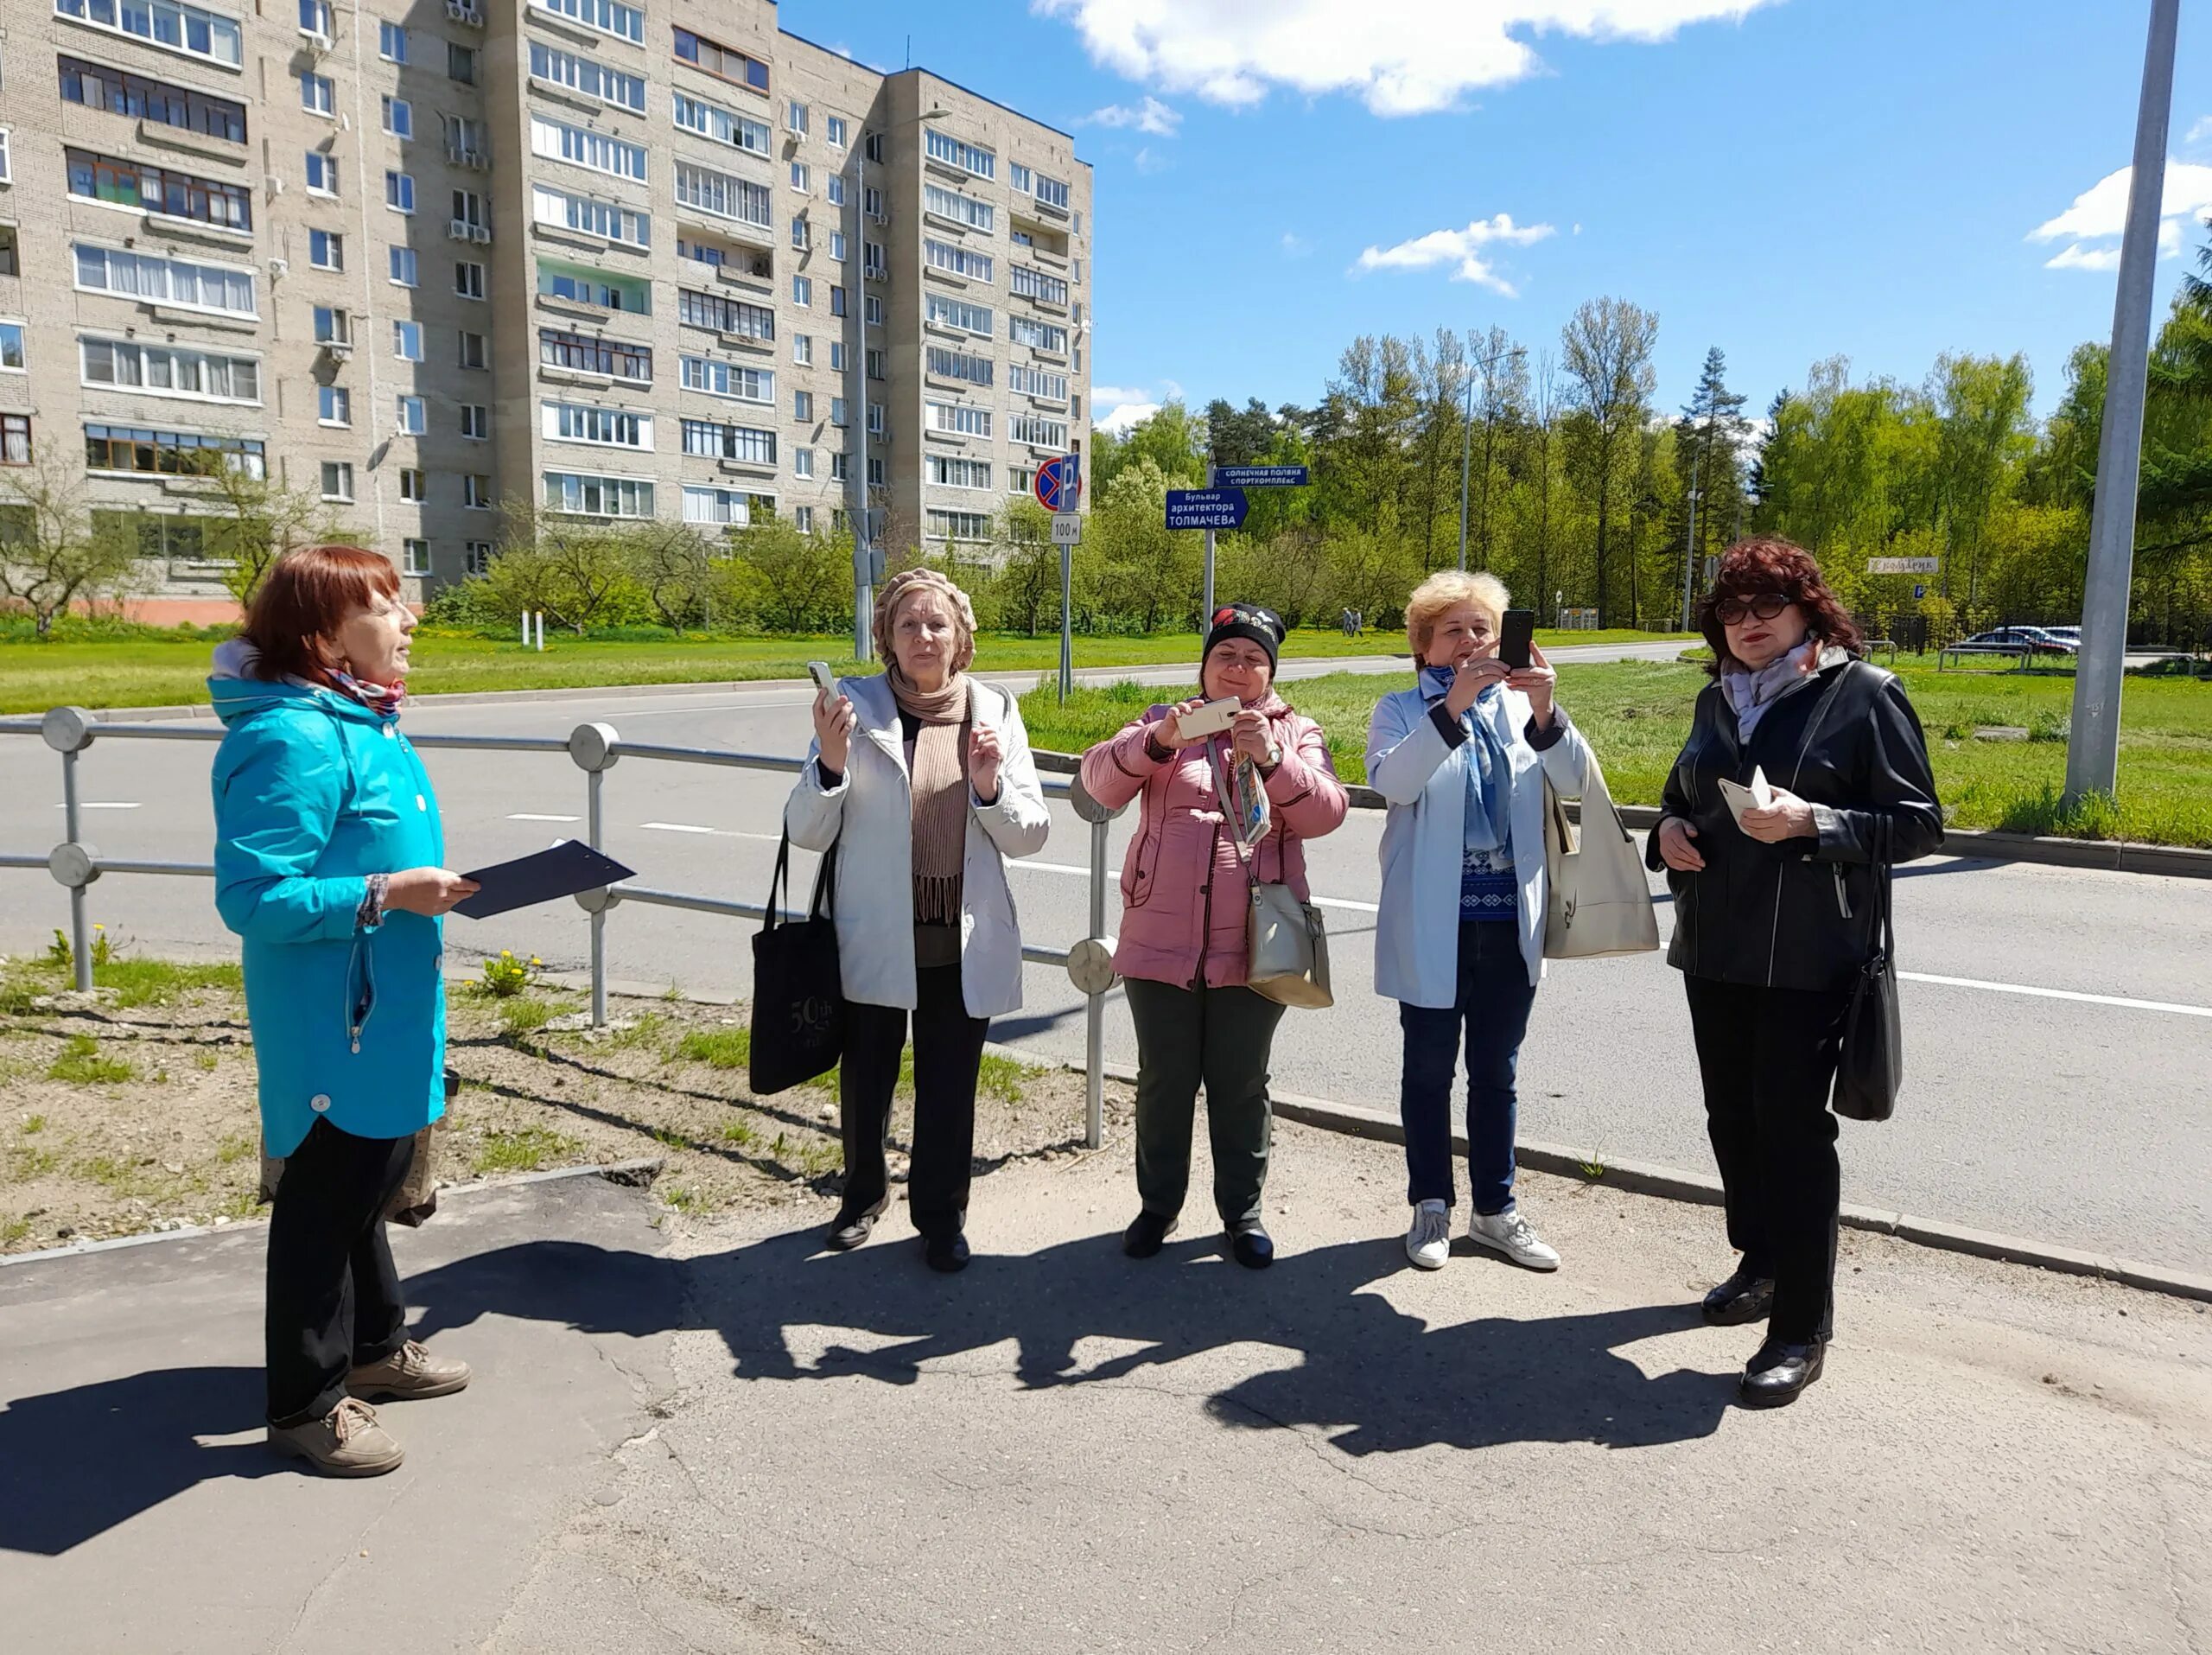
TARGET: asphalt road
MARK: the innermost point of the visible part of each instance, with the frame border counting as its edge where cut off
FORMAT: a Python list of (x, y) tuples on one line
[(2058, 1022)]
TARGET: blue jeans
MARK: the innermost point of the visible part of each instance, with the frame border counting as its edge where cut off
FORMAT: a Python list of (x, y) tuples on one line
[(1492, 1007)]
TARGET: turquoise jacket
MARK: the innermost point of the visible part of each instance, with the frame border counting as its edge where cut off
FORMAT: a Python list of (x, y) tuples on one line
[(314, 791)]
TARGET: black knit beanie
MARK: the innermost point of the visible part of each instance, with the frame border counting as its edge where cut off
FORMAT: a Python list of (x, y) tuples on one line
[(1263, 627)]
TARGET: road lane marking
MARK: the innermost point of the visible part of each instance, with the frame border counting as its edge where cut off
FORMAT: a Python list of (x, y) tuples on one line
[(1069, 868), (677, 827), (100, 805), (533, 816), (2120, 1001)]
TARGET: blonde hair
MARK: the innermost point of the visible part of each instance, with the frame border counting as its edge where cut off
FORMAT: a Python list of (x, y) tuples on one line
[(909, 584), (1447, 590)]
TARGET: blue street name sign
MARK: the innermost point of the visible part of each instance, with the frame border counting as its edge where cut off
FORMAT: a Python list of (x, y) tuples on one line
[(1260, 477), (1206, 508), (1059, 483)]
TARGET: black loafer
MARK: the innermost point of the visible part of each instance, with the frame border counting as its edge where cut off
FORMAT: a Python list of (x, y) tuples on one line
[(1779, 1373), (1250, 1245), (851, 1230), (1744, 1297), (946, 1253), (1145, 1234)]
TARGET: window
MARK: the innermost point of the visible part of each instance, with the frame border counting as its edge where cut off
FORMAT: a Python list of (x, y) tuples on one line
[(468, 278), (874, 266), (391, 43), (181, 28), (402, 265), (833, 189), (334, 405), (837, 356), (475, 422), (471, 351), (15, 439), (871, 310), (803, 518), (942, 312), (795, 118), (1025, 381), (414, 556), (326, 249), (588, 76), (959, 526), (837, 300), (873, 143), (720, 379), (608, 428), (583, 355), (322, 174), (801, 234), (1053, 193), (802, 290), (414, 484), (399, 192), (461, 63), (398, 116), (476, 491), (961, 209), (724, 507), (608, 16), (1018, 176), (722, 196), (722, 126), (156, 369), (338, 480), (1020, 479), (709, 439), (465, 141), (872, 203), (802, 463), (132, 448), (803, 349), (801, 177), (958, 418), (950, 471), (1037, 431), (407, 340), (837, 413), (839, 472), (184, 282), (581, 495), (968, 158), (315, 19), (1039, 336), (803, 407), (1075, 270), (876, 473), (10, 261), (96, 85), (476, 558), (877, 365), (957, 260), (725, 62), (557, 141), (959, 365), (837, 246), (11, 347), (875, 419), (836, 131), (414, 419), (469, 211), (156, 189), (1036, 284), (333, 326), (725, 315), (317, 94), (595, 218)]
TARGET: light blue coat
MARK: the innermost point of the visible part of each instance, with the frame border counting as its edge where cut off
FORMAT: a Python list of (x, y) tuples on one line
[(314, 791), (1424, 778)]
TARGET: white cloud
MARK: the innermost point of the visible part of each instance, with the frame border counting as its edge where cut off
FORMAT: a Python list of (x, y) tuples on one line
[(1123, 416), (1151, 116), (2100, 215), (1295, 246), (1401, 57), (2201, 132), (1106, 396), (1148, 160), (1461, 249)]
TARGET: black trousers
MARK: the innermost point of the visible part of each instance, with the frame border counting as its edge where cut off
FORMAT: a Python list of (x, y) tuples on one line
[(1768, 1058), (334, 1292), (1219, 1037), (948, 1051)]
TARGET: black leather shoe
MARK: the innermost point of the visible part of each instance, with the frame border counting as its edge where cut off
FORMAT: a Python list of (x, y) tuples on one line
[(1742, 1297), (1774, 1376), (946, 1253), (1249, 1245), (1145, 1233), (851, 1230)]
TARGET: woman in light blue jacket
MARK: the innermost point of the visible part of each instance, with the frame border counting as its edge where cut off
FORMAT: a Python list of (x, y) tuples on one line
[(328, 854), (1462, 758)]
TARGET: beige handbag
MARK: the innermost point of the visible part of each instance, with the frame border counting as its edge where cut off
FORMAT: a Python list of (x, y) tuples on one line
[(1599, 897), (1286, 946)]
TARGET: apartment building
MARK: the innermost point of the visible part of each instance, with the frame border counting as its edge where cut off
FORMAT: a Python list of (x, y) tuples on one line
[(620, 261)]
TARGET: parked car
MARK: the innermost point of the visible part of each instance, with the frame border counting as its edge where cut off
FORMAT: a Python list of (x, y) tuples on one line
[(2045, 641)]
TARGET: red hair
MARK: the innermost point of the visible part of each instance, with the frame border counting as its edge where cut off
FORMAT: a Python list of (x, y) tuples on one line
[(1751, 568), (304, 598)]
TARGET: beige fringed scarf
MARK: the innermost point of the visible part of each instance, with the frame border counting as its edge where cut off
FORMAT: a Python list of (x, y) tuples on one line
[(940, 761)]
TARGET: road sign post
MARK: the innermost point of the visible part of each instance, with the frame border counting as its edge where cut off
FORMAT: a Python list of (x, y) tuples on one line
[(1059, 483), (1067, 534), (1903, 565), (1206, 508), (1260, 477)]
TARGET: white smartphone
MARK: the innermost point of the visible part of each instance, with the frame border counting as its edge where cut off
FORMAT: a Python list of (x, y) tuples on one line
[(824, 679), (1211, 719), (1758, 796)]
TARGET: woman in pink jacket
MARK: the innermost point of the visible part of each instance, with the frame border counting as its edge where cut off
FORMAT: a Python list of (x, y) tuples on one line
[(1184, 905)]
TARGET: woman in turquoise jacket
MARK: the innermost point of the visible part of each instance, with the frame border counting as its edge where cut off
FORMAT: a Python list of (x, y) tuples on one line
[(327, 864)]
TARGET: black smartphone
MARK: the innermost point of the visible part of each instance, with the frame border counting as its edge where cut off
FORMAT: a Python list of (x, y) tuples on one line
[(1518, 631)]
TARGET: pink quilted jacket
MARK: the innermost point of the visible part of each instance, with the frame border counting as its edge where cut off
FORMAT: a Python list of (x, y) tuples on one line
[(1185, 899)]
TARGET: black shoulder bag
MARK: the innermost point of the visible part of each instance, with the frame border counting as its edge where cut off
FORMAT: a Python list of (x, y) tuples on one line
[(1870, 1066), (799, 995)]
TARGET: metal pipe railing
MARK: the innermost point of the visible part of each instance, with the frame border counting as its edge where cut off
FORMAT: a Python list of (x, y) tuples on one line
[(594, 748)]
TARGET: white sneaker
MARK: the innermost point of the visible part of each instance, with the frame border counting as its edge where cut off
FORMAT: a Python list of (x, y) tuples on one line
[(1507, 1233), (1429, 1244)]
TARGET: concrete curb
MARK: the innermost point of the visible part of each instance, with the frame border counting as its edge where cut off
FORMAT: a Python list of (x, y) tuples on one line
[(1669, 1183)]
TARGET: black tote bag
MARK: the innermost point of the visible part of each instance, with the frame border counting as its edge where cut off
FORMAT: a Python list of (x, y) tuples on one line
[(1870, 1066), (798, 998)]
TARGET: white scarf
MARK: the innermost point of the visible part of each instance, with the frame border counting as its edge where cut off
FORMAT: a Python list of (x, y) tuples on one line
[(1750, 694)]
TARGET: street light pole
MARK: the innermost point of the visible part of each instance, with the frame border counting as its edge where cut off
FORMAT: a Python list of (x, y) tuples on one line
[(1689, 543), (2093, 749), (1466, 446), (856, 370)]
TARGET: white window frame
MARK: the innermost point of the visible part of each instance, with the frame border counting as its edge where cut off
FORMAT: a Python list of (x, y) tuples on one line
[(476, 491), (970, 158), (403, 127), (413, 555), (221, 28), (597, 425), (952, 205), (577, 146), (588, 77), (838, 131), (476, 558), (141, 264), (942, 525), (711, 376), (606, 16), (320, 173), (591, 216), (333, 406), (401, 335), (803, 292), (637, 493), (956, 471), (476, 286), (692, 113), (803, 349), (334, 249), (13, 328), (476, 422), (803, 463), (414, 484), (340, 471), (398, 258), (723, 195), (796, 116), (411, 414), (953, 259), (400, 185), (977, 321), (957, 418), (387, 31), (318, 94)]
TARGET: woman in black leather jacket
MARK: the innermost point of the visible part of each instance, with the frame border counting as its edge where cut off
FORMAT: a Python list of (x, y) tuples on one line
[(1773, 919)]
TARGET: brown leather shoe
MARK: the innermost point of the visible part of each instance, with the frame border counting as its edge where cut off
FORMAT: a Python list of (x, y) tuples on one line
[(409, 1374), (344, 1443)]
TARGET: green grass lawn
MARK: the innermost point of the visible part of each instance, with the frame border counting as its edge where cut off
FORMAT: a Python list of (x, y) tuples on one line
[(34, 676), (1636, 715)]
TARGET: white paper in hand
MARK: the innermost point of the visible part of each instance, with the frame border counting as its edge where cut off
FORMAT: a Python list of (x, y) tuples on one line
[(1759, 796)]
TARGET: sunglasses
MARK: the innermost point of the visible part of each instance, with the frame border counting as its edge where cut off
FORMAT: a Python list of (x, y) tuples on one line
[(1765, 606)]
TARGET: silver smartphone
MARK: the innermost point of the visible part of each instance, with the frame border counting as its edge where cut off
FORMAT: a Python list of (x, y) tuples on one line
[(1211, 719), (824, 679)]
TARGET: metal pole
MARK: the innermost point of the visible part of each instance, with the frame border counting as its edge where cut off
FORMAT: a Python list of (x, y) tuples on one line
[(863, 537), (80, 952), (1689, 540), (1466, 445), (2092, 751), (592, 781), (1067, 622), (1094, 1034), (1206, 615)]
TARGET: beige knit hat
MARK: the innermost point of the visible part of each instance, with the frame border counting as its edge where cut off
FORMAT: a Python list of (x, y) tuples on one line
[(904, 585)]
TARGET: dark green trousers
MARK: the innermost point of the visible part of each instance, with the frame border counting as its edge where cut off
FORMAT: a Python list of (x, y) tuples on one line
[(1219, 1037)]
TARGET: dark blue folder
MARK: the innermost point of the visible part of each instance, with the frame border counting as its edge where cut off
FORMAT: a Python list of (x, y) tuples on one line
[(567, 867)]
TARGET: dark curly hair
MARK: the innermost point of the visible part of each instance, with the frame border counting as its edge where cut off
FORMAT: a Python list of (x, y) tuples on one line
[(1752, 568)]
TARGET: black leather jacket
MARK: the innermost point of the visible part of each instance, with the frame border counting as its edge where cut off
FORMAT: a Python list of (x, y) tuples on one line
[(1798, 914)]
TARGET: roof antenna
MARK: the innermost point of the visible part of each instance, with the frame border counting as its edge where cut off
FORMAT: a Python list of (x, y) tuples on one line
[(910, 51)]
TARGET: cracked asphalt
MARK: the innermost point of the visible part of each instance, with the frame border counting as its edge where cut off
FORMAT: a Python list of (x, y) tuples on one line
[(711, 1437)]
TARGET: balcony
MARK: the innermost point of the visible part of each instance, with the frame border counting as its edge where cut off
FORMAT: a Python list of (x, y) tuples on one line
[(200, 145)]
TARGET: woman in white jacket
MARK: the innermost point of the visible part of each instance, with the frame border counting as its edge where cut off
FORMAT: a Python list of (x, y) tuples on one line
[(923, 808), (1462, 758)]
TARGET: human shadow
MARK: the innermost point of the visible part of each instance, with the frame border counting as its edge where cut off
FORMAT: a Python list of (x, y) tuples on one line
[(75, 1463)]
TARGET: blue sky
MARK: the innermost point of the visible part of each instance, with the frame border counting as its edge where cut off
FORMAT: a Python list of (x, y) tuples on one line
[(1789, 178)]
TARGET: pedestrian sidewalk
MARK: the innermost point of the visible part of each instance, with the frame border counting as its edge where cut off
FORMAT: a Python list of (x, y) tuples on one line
[(722, 1439)]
